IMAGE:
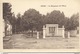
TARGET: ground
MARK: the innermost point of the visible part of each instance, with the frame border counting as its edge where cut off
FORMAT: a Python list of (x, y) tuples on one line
[(21, 41)]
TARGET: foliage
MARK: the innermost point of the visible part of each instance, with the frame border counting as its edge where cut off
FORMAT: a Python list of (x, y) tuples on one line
[(7, 15), (73, 22), (55, 17), (33, 20)]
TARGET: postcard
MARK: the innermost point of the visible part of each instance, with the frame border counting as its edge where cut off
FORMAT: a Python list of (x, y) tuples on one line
[(40, 26)]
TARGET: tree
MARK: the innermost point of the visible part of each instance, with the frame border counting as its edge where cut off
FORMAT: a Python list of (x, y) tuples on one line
[(7, 14), (31, 20), (73, 22), (18, 23), (13, 23), (55, 17)]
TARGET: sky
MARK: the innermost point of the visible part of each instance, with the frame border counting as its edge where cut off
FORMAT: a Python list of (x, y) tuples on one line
[(69, 7)]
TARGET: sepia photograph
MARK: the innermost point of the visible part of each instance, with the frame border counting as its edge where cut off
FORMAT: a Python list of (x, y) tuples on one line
[(41, 24)]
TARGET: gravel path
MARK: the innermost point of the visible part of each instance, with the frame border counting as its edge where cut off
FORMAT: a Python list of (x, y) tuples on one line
[(20, 41)]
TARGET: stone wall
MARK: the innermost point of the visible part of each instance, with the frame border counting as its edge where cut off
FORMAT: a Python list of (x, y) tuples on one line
[(73, 32), (60, 31)]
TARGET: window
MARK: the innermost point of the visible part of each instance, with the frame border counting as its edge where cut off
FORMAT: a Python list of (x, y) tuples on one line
[(51, 29)]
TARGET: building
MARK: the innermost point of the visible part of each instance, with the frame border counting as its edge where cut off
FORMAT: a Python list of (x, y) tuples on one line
[(7, 28), (53, 30)]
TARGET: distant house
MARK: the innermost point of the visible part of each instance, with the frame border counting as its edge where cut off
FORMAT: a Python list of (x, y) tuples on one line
[(7, 28)]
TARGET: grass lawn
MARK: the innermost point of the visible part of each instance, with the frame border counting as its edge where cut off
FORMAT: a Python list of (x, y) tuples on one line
[(21, 41)]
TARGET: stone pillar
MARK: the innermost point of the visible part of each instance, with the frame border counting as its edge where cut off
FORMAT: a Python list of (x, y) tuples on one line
[(63, 32), (37, 35), (68, 34), (44, 31), (56, 30)]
